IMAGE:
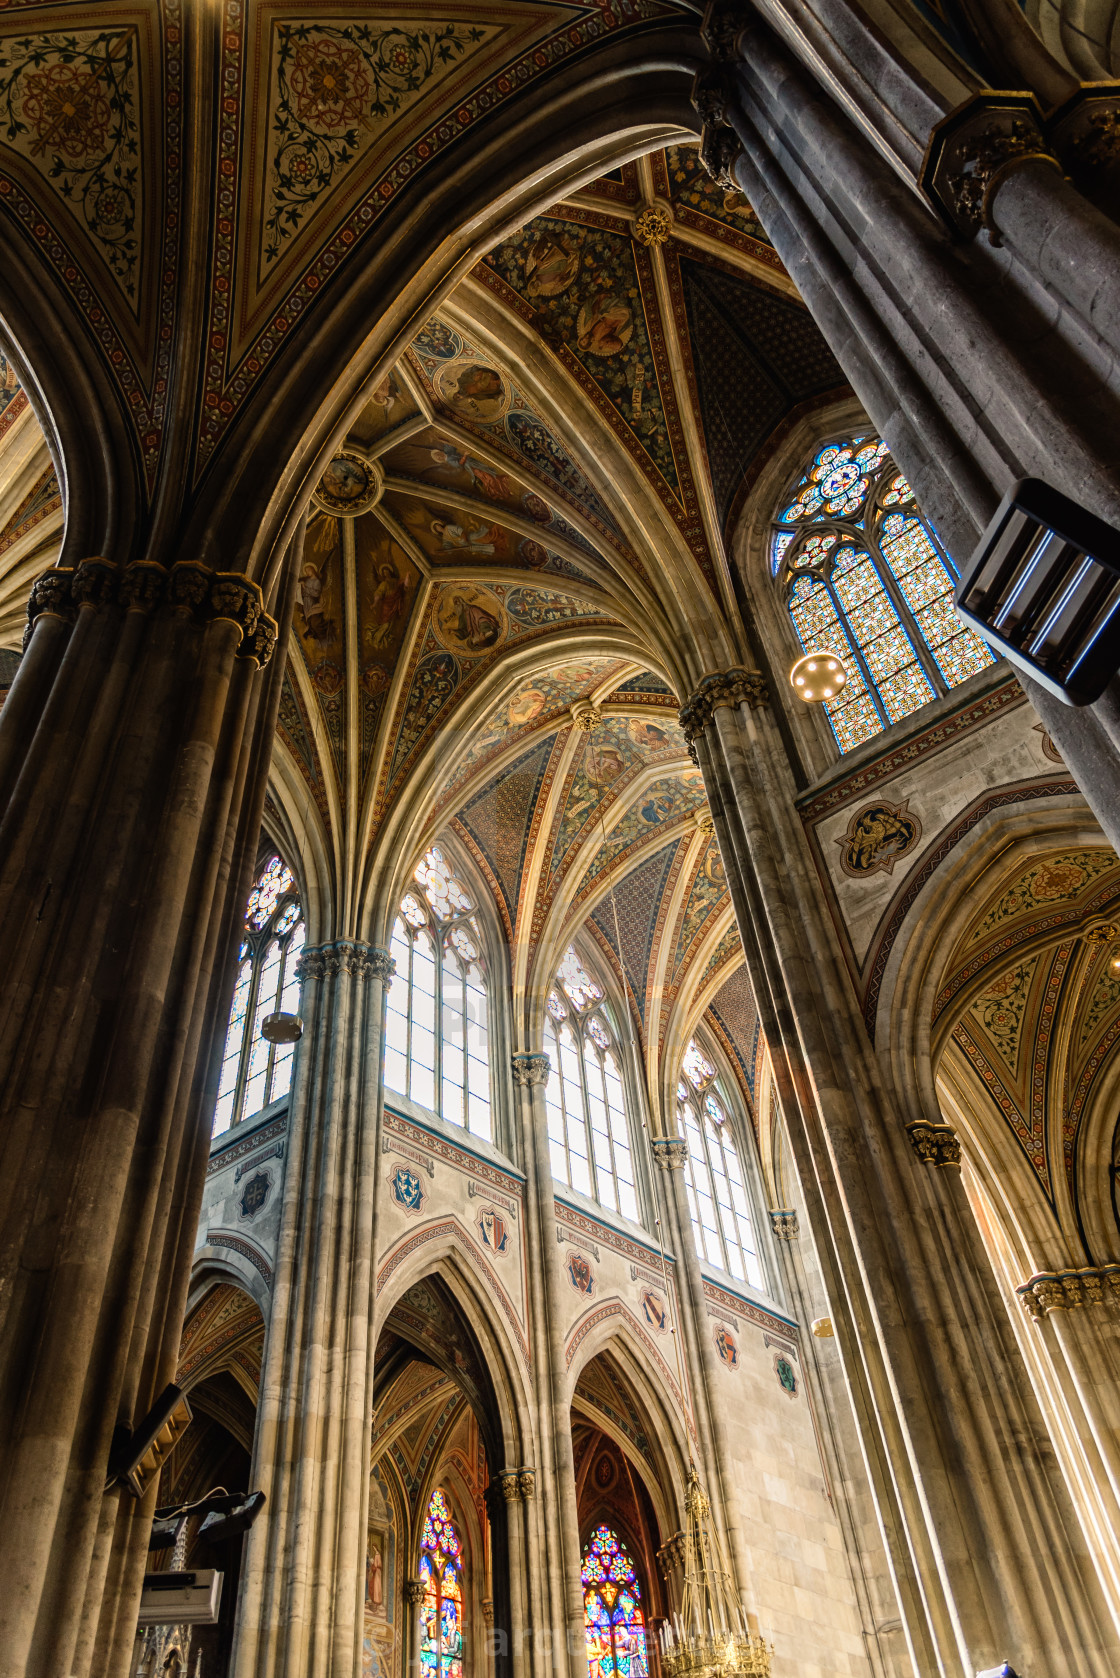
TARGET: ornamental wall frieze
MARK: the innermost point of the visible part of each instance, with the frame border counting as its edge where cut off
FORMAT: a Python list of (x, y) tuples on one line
[(730, 1304), (459, 1159), (268, 1135), (579, 1228), (345, 955), (724, 687), (187, 590), (1070, 1290)]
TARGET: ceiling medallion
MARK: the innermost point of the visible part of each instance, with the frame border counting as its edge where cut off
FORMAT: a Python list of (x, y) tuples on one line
[(653, 225), (350, 486)]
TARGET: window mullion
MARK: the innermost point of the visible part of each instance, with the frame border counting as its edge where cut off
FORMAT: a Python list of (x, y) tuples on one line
[(588, 1132), (411, 936), (437, 1048), (247, 1032)]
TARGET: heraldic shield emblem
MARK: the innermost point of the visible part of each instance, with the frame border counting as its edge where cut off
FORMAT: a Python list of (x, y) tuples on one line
[(726, 1347), (492, 1228), (579, 1274), (654, 1310), (407, 1189)]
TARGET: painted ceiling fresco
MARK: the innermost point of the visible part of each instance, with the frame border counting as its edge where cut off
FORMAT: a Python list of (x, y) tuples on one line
[(1031, 1006)]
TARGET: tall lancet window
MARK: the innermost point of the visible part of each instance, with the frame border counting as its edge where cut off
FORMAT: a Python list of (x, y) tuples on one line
[(717, 1194), (614, 1624), (864, 577), (437, 1042), (587, 1129), (441, 1609), (255, 1072)]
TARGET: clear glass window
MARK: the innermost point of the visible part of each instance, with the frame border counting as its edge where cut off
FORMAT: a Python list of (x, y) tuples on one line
[(717, 1193), (255, 1072), (864, 577), (588, 1133), (437, 1040)]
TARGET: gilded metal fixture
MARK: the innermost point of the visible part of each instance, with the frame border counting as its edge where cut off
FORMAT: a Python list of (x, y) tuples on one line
[(817, 676), (709, 1637)]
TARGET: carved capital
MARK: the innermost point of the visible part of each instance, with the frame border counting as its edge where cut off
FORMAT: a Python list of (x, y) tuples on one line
[(671, 1555), (526, 1484), (723, 687), (935, 1144), (1085, 130), (1070, 1290), (327, 961), (95, 582), (724, 22), (785, 1225), (974, 149), (382, 966), (142, 586), (517, 1484), (413, 1592), (188, 587), (261, 644), (530, 1069), (51, 595), (669, 1153)]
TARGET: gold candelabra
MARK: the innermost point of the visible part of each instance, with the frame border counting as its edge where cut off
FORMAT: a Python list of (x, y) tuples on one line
[(709, 1637)]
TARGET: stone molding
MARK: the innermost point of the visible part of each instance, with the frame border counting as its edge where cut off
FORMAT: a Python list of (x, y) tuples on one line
[(359, 961), (530, 1069), (186, 590), (1070, 1290), (972, 152), (669, 1153), (785, 1225), (935, 1144), (723, 687)]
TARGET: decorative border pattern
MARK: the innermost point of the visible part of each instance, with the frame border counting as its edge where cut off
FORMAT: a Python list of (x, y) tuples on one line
[(460, 1159), (240, 1150), (592, 1229), (747, 1309), (218, 1238), (452, 1227)]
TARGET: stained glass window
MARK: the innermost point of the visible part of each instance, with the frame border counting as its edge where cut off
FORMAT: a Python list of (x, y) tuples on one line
[(613, 1620), (717, 1194), (437, 1041), (864, 578), (441, 1608), (255, 1072), (588, 1132)]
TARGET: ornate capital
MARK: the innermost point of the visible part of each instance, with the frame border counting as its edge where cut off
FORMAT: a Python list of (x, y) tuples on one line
[(974, 149), (723, 687), (724, 22), (187, 590), (1070, 1290), (414, 1592), (381, 965), (1085, 129), (526, 1484), (671, 1555), (530, 1069), (785, 1224), (517, 1484), (935, 1144), (669, 1153), (357, 961)]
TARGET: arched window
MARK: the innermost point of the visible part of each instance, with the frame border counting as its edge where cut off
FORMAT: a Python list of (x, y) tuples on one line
[(441, 1609), (587, 1130), (437, 1046), (864, 577), (612, 1610), (717, 1194), (255, 1072)]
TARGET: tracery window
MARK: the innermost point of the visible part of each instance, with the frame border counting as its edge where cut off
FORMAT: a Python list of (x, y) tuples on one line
[(864, 577), (437, 1046), (441, 1609), (717, 1194), (588, 1134), (255, 1072), (612, 1610)]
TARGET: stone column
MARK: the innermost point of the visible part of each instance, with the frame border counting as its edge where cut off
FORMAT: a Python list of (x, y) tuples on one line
[(670, 1155), (989, 1560), (301, 1609), (980, 363), (133, 754), (413, 1597), (515, 1488), (561, 1611)]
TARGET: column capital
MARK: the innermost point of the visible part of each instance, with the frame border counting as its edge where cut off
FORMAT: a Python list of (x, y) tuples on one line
[(723, 687), (413, 1592), (345, 955), (935, 1144), (712, 98), (186, 590), (785, 1225), (1070, 1290), (724, 22), (530, 1069), (669, 1152), (974, 149), (517, 1484)]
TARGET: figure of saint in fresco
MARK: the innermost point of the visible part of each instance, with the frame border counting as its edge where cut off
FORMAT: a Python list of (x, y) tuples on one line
[(550, 266), (479, 539), (471, 625), (317, 626), (523, 707), (477, 392), (605, 325), (375, 1594), (386, 604)]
